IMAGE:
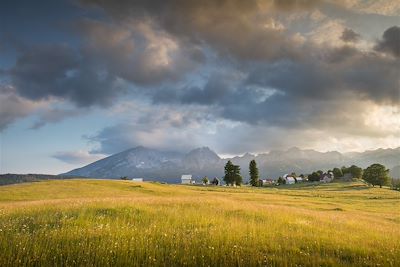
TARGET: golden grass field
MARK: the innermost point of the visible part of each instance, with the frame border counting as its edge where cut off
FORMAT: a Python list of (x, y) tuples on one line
[(121, 223)]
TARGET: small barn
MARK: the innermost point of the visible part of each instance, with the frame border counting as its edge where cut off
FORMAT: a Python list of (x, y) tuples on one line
[(137, 179), (187, 179)]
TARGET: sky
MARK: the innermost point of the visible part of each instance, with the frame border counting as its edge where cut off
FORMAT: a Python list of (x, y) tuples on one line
[(81, 80)]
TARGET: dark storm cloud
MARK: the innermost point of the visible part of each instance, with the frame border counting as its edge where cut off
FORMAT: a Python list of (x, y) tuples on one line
[(46, 71), (93, 73), (352, 71), (349, 35), (233, 28), (390, 42), (298, 95)]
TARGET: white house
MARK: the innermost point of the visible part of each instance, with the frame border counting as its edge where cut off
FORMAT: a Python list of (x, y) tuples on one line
[(289, 179), (187, 179), (137, 180)]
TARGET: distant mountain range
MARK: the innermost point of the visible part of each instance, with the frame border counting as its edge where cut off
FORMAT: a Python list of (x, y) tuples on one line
[(156, 165)]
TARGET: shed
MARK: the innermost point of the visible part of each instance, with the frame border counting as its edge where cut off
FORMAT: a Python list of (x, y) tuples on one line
[(187, 179), (137, 179)]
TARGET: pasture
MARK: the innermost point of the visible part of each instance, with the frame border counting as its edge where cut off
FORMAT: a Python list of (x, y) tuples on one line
[(121, 223)]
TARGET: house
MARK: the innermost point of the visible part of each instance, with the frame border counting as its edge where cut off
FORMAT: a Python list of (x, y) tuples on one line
[(187, 179), (137, 179), (289, 179), (327, 177)]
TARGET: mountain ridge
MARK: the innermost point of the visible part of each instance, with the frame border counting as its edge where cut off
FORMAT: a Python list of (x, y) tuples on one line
[(158, 165)]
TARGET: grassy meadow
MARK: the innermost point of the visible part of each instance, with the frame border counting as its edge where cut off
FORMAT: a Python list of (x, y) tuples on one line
[(121, 223)]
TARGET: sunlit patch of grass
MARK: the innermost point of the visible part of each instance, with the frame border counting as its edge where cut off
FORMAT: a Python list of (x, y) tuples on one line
[(120, 223)]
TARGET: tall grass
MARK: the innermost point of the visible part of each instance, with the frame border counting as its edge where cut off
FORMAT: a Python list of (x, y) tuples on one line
[(117, 223)]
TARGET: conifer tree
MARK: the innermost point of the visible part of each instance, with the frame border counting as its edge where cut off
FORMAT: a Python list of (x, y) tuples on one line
[(253, 171)]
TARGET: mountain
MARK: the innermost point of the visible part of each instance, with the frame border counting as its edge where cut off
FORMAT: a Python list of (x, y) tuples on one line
[(157, 165), (154, 164)]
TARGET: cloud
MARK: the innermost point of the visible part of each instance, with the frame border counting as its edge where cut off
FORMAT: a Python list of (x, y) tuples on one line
[(137, 52), (349, 35), (162, 126), (14, 107), (77, 157), (390, 42)]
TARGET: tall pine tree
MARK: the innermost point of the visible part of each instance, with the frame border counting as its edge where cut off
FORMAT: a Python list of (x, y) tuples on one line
[(253, 171), (229, 176), (236, 174)]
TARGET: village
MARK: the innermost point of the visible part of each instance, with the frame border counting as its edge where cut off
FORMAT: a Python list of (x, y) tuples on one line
[(233, 177), (285, 179)]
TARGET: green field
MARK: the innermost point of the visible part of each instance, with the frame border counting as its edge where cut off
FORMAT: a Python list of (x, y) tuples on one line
[(120, 223)]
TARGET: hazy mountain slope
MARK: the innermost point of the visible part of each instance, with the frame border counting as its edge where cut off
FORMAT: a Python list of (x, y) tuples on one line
[(395, 172), (158, 165), (389, 157)]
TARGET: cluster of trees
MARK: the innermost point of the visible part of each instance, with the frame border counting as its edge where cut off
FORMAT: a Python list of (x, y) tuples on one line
[(315, 176), (355, 171), (376, 174), (232, 174)]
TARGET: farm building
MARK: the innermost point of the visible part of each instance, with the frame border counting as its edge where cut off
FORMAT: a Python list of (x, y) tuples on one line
[(289, 179), (187, 179), (137, 179)]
